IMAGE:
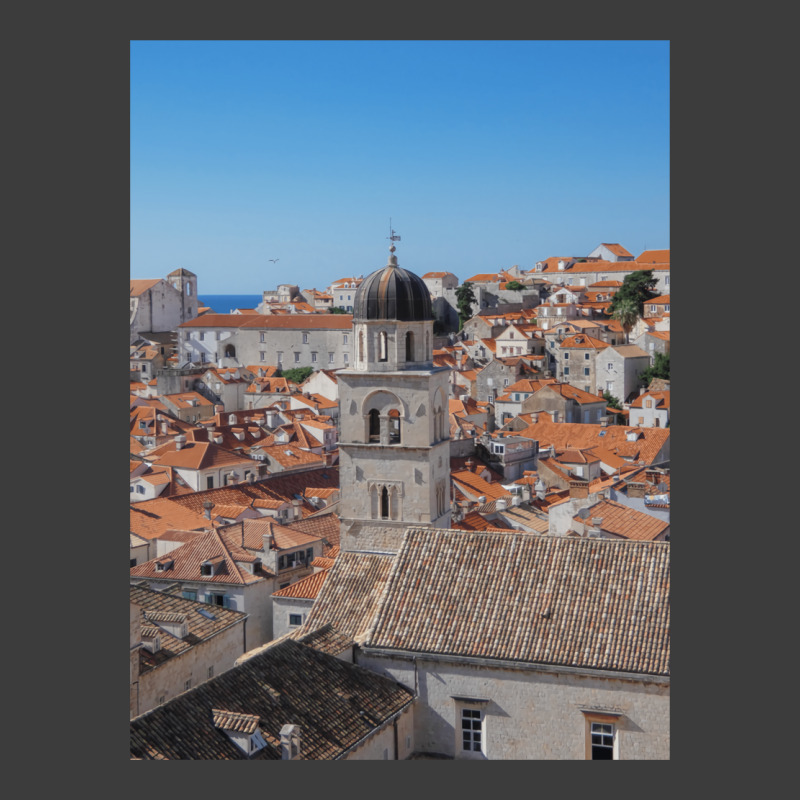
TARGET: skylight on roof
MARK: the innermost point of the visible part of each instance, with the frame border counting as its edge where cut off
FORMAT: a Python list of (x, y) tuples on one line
[(206, 614)]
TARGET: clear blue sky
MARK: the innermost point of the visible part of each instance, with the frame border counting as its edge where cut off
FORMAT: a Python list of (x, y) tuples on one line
[(484, 155)]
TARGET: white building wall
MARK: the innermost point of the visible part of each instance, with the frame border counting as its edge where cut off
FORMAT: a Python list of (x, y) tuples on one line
[(381, 746), (530, 714), (169, 679)]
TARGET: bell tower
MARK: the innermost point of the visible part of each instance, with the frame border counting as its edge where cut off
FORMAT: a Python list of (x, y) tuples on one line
[(394, 449)]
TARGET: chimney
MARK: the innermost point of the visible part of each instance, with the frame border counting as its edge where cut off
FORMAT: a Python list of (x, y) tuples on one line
[(251, 478), (218, 408), (290, 743), (296, 514), (501, 504), (578, 489), (180, 441), (207, 506), (267, 539), (636, 489), (164, 425)]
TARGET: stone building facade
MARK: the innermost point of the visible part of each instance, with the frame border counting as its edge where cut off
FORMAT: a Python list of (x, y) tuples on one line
[(163, 303)]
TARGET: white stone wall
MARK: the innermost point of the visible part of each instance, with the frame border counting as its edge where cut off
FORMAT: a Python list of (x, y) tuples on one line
[(381, 746), (282, 607), (529, 714), (168, 679)]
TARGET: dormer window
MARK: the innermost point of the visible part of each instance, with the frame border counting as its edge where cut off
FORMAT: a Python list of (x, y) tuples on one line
[(207, 568)]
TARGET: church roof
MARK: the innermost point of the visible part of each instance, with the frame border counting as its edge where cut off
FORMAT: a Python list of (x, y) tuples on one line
[(392, 293)]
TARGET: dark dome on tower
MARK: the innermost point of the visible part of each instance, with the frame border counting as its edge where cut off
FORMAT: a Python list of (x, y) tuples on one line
[(392, 293)]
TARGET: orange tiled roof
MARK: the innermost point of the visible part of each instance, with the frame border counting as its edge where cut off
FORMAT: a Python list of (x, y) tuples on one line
[(617, 249), (625, 522), (140, 286), (306, 588), (654, 257), (187, 559), (583, 340)]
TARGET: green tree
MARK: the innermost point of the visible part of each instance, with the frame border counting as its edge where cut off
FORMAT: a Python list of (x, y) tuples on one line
[(627, 313), (515, 286), (297, 374), (465, 298), (659, 369), (339, 310), (611, 401), (638, 286)]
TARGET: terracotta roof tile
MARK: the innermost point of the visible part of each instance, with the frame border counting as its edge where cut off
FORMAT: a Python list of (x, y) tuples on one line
[(584, 603), (336, 704), (348, 602)]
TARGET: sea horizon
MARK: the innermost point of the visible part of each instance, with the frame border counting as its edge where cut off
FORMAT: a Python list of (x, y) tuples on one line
[(226, 303)]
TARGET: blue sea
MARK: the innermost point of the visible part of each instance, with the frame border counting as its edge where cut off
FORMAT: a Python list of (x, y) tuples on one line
[(225, 303)]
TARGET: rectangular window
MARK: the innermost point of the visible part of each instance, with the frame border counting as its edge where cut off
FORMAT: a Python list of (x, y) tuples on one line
[(585, 356), (262, 336), (346, 358), (262, 355), (295, 619), (471, 729), (566, 370), (210, 482), (280, 357), (187, 685), (297, 358), (602, 741), (189, 594), (330, 358), (344, 339), (313, 358), (210, 672), (133, 562), (201, 335), (305, 338), (586, 371), (566, 356), (609, 366)]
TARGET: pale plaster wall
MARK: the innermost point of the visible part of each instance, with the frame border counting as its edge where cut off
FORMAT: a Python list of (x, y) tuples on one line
[(381, 746), (530, 714), (169, 678)]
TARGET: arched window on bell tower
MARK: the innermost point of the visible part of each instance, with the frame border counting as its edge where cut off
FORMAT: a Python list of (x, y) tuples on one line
[(394, 426), (374, 425), (410, 346), (361, 354), (384, 503), (383, 347)]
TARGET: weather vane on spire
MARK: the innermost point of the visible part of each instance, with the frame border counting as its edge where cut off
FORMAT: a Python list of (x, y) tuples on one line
[(393, 237)]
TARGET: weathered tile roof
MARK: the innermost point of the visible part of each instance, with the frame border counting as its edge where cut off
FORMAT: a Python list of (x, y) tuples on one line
[(187, 559), (159, 607), (586, 603), (335, 704), (350, 593), (326, 639)]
